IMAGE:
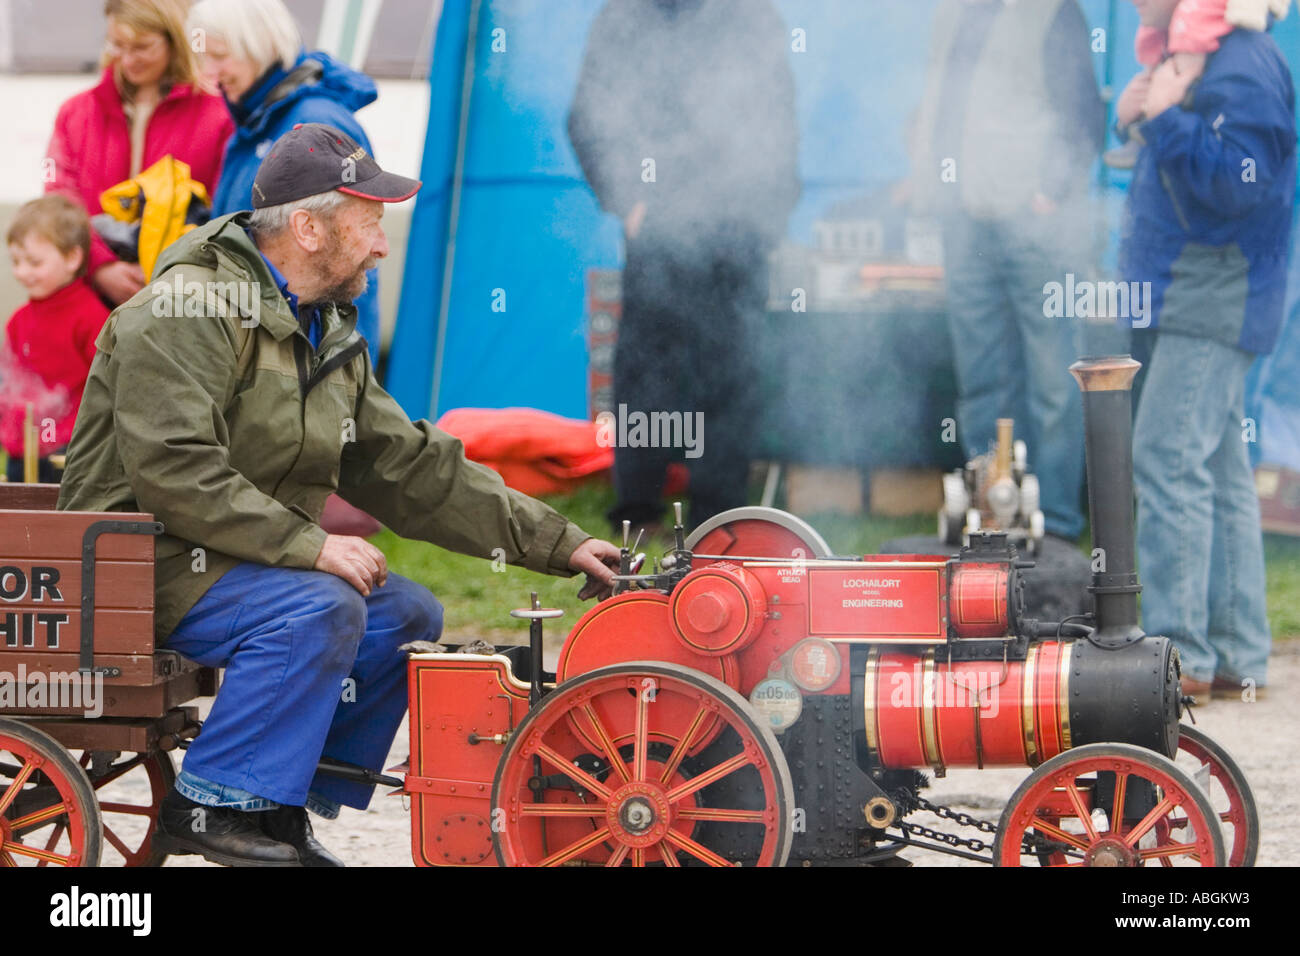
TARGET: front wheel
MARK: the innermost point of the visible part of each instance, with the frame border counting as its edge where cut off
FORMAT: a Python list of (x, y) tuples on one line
[(1229, 792), (1109, 805)]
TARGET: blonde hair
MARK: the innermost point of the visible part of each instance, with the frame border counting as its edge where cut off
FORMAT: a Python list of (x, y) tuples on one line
[(262, 32), (60, 221), (159, 16)]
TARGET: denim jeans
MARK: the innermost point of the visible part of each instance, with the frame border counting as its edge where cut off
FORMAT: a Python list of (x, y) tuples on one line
[(1012, 361), (213, 794), (312, 668), (1200, 551)]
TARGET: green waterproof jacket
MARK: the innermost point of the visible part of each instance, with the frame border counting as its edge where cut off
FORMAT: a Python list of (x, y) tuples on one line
[(208, 407)]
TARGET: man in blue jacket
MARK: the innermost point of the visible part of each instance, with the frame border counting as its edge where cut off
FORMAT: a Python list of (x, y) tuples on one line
[(1207, 224)]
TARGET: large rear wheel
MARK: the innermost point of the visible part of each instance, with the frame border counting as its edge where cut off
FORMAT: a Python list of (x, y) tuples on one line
[(642, 764)]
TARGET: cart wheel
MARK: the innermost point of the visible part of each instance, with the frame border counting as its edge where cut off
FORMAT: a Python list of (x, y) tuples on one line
[(758, 532), (48, 812), (650, 795), (1069, 801), (1228, 790), (130, 790)]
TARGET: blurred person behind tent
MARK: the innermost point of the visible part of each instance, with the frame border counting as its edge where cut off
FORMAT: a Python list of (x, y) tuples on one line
[(148, 104), (1207, 223), (1008, 128), (684, 122), (252, 50)]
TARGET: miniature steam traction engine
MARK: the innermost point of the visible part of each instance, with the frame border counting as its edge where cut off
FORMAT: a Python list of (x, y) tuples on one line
[(751, 700), (757, 701)]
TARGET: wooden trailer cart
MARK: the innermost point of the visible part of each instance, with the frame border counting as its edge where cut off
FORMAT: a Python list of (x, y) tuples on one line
[(89, 709)]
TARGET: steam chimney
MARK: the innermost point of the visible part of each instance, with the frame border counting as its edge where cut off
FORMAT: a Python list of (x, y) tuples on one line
[(1107, 385)]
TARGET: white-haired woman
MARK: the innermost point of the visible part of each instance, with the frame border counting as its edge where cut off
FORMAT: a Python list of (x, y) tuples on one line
[(253, 51)]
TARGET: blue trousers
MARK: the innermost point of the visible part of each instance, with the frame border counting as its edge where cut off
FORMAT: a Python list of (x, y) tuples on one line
[(1200, 551), (312, 669), (1011, 360)]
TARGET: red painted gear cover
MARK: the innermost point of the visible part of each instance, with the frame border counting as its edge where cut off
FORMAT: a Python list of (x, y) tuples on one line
[(717, 610)]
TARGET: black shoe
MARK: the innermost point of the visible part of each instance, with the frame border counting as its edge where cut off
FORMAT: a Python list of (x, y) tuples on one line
[(220, 834), (290, 825)]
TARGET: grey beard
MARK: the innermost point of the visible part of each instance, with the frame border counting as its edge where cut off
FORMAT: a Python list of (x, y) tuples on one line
[(342, 293)]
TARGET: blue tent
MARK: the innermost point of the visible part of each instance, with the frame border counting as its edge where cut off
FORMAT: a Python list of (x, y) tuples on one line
[(519, 234)]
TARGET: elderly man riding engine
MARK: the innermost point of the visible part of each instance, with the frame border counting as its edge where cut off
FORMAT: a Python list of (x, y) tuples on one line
[(231, 419)]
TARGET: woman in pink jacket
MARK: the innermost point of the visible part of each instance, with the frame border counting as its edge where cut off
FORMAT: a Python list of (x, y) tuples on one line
[(148, 104)]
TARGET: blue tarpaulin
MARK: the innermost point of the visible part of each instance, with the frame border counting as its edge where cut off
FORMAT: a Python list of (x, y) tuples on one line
[(526, 228)]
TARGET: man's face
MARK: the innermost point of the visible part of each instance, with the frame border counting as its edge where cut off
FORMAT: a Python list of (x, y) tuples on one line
[(355, 243), (1155, 13)]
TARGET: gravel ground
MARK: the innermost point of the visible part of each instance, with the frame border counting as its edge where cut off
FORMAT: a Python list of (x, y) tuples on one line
[(1260, 736)]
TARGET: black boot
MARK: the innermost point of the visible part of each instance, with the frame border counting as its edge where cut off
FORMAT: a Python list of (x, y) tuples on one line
[(290, 825), (220, 834)]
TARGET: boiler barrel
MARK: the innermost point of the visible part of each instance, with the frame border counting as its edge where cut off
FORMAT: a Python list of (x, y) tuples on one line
[(918, 710)]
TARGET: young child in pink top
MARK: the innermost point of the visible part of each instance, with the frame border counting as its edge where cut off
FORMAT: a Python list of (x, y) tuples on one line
[(1193, 34)]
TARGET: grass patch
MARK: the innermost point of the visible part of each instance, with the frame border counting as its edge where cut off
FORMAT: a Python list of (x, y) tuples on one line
[(1282, 569), (478, 600)]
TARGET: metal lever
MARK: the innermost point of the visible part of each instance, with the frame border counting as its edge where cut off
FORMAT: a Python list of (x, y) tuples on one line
[(534, 615)]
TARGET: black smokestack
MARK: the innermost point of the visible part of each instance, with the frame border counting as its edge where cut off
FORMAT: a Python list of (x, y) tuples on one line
[(1107, 385)]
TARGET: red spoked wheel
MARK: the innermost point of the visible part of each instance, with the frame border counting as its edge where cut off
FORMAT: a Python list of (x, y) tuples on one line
[(48, 813), (129, 788), (1064, 814), (1229, 793), (656, 791)]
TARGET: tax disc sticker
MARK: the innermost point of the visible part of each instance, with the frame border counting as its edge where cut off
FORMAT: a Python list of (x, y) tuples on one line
[(778, 702), (814, 664)]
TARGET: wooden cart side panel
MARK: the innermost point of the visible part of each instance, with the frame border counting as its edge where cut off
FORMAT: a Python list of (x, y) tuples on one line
[(57, 535), (139, 670), (41, 586), (119, 585), (120, 700), (128, 734)]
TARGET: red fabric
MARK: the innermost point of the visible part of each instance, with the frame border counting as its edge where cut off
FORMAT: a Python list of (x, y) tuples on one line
[(1196, 27), (91, 145), (339, 517), (534, 452), (48, 347)]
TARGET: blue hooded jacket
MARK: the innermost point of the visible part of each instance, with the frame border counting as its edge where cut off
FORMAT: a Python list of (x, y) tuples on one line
[(316, 89), (1208, 217)]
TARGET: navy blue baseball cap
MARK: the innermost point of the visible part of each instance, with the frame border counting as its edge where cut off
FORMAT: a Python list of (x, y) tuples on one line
[(313, 158)]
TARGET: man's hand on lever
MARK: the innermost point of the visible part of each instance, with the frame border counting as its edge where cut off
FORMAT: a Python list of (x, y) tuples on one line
[(355, 560), (599, 561)]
